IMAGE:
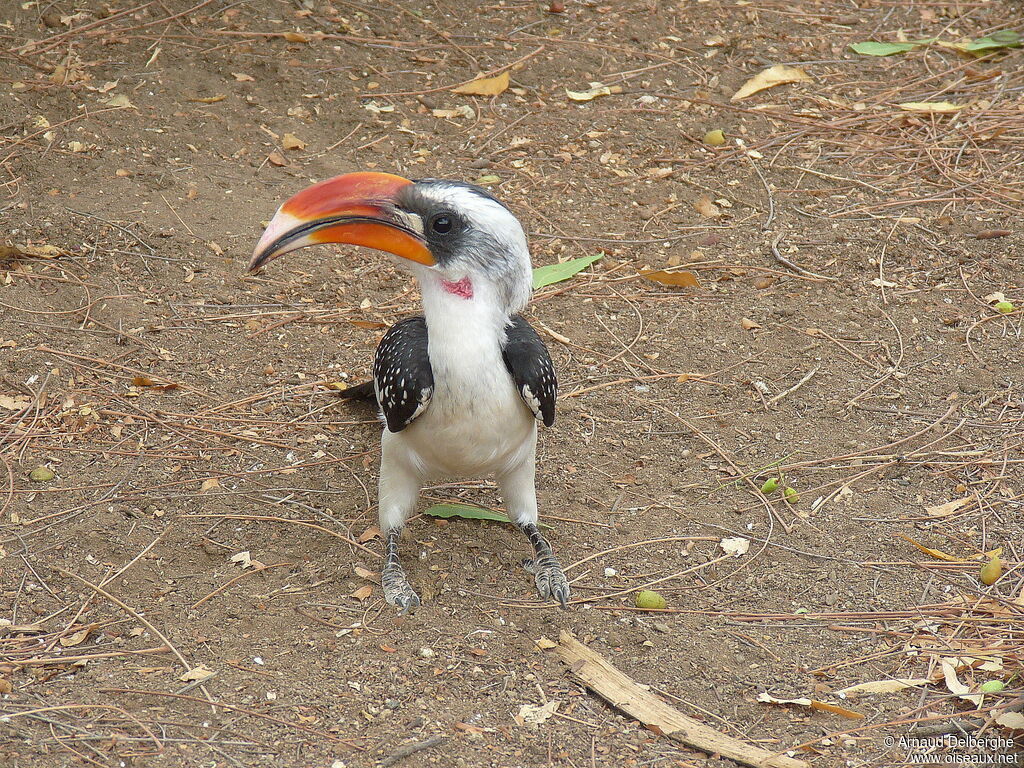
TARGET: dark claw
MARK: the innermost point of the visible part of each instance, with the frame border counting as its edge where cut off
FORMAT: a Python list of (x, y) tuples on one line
[(562, 595), (551, 581), (397, 590), (407, 603), (547, 573)]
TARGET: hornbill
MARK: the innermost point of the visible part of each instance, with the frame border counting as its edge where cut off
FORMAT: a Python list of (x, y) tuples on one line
[(460, 388)]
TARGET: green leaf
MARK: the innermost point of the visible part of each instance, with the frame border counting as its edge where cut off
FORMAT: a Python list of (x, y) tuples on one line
[(470, 513), (1006, 38), (556, 273), (871, 48)]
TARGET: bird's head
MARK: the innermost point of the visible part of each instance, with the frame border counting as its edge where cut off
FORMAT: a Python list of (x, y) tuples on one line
[(450, 232)]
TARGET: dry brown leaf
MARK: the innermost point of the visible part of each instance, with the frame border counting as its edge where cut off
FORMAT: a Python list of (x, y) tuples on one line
[(812, 704), (780, 74), (735, 545), (955, 686), (197, 673), (706, 208), (938, 554), (40, 251), (291, 141), (77, 638), (295, 37), (463, 110), (1011, 720), (368, 534), (243, 78), (276, 158), (209, 99), (365, 573), (485, 86), (749, 325), (209, 484), (677, 279), (145, 381), (15, 403), (119, 100), (546, 644), (370, 324), (824, 706), (244, 559), (941, 510), (884, 686), (596, 89), (363, 592), (533, 714), (29, 629)]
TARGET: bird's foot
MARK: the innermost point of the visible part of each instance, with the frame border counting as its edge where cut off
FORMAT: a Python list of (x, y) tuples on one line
[(397, 590), (393, 579), (549, 577)]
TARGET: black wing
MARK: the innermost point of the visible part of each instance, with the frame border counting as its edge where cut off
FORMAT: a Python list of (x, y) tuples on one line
[(528, 361), (402, 378)]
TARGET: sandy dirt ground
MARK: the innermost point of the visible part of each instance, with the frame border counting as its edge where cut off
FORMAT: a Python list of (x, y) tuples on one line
[(182, 489)]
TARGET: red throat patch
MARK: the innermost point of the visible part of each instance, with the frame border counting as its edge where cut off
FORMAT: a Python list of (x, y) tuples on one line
[(462, 288)]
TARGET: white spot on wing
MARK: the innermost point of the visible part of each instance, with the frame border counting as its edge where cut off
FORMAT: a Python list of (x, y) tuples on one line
[(532, 401)]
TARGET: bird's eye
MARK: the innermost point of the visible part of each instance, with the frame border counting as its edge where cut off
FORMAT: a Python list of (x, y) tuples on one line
[(442, 224)]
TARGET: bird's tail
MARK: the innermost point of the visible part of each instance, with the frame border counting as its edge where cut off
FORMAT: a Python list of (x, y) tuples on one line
[(362, 391)]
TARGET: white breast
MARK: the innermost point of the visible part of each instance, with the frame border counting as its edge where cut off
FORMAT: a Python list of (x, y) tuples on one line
[(477, 423)]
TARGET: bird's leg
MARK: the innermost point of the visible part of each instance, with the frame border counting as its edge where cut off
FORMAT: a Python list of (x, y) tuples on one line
[(392, 577), (398, 489), (520, 494), (547, 571)]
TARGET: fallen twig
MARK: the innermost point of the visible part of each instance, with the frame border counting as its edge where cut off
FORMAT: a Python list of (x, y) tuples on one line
[(410, 749), (810, 375), (42, 662), (624, 693), (790, 265)]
